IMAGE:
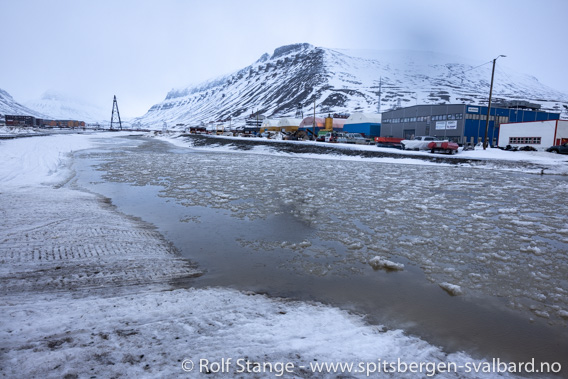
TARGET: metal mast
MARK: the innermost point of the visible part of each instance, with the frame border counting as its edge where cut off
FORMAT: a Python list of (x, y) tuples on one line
[(299, 113), (115, 106), (380, 85)]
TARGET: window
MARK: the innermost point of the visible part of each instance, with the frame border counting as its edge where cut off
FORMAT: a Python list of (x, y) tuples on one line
[(524, 140)]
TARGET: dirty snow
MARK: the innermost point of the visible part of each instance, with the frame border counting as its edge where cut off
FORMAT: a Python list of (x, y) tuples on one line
[(89, 292)]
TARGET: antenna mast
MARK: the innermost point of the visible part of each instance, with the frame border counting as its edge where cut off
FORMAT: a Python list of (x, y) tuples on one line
[(380, 85), (299, 113), (115, 105)]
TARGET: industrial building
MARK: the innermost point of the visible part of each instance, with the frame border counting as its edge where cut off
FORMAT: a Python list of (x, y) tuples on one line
[(461, 123), (538, 134)]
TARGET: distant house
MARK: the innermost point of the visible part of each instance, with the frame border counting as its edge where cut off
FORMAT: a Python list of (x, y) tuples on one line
[(368, 124), (19, 120)]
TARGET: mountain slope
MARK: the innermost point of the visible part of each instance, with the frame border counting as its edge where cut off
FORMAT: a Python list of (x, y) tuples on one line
[(9, 106), (62, 107), (345, 81)]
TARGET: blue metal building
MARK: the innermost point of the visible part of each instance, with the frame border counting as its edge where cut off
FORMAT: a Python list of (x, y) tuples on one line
[(365, 123), (460, 123)]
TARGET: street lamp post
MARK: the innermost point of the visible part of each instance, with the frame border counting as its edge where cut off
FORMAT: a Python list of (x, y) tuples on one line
[(489, 104)]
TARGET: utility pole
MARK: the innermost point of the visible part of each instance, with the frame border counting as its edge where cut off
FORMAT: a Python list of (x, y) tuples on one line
[(489, 103), (115, 106), (314, 123)]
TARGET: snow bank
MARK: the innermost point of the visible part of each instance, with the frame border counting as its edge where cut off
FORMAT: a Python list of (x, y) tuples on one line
[(149, 334), (9, 131), (547, 163), (40, 160)]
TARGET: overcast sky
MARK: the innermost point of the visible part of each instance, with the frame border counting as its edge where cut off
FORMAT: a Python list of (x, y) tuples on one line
[(140, 49)]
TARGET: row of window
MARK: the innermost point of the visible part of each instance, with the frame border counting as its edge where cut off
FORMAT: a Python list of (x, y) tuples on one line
[(483, 117), (405, 119), (524, 140), (443, 117)]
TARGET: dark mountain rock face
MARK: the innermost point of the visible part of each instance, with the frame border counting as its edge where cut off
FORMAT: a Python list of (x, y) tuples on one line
[(342, 81)]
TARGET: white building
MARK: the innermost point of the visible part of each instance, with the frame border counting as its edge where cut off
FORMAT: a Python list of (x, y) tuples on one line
[(538, 134)]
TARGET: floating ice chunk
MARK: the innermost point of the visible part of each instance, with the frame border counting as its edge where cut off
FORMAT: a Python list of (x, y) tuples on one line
[(564, 314), (534, 249), (378, 262), (355, 246), (508, 210), (305, 244), (542, 314), (452, 289)]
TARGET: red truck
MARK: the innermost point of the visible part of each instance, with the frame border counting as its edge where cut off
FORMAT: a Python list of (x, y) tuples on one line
[(447, 147), (388, 142)]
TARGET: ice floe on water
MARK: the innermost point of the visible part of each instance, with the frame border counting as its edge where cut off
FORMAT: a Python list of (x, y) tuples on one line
[(452, 289), (379, 262), (494, 228)]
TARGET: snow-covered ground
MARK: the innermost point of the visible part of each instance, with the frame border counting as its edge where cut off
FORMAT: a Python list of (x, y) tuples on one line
[(552, 163), (89, 292)]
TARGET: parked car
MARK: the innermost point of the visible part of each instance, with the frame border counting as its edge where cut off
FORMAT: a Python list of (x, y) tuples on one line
[(558, 149), (332, 136), (357, 138), (418, 143), (342, 137)]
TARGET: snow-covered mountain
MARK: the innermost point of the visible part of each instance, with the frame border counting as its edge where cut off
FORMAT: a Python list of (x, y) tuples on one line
[(62, 107), (9, 106), (346, 81)]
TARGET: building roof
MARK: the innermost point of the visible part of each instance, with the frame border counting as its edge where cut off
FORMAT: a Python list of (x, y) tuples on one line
[(361, 118), (269, 122), (309, 121), (288, 121)]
